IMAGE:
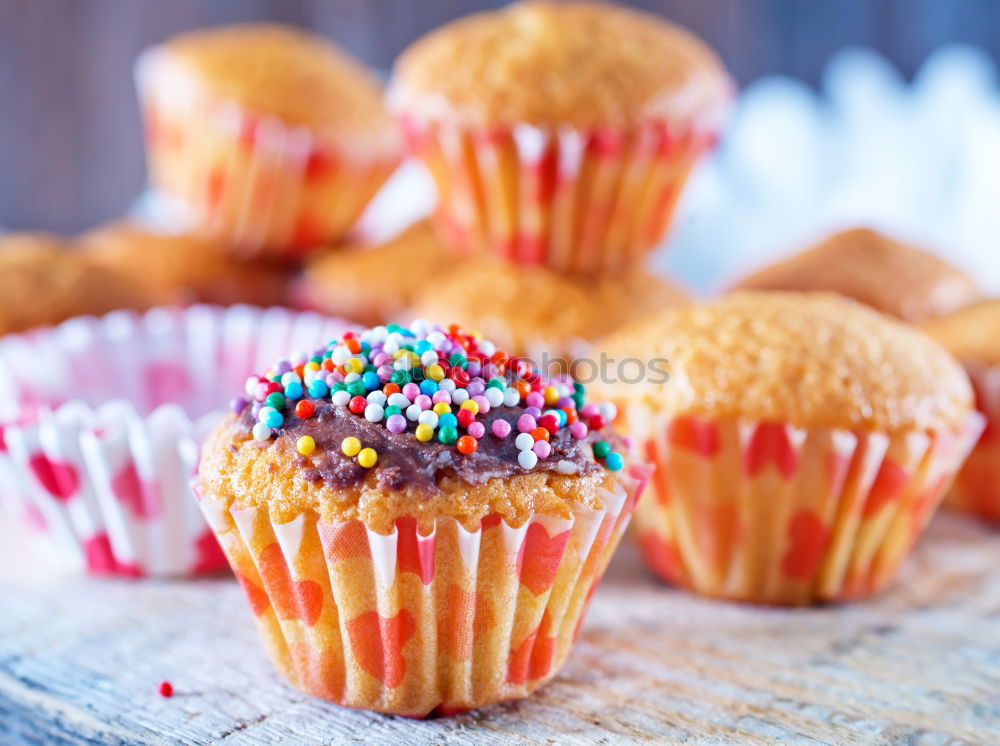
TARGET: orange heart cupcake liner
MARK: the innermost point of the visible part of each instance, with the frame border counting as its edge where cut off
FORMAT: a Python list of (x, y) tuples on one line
[(421, 623), (977, 486), (772, 513), (573, 201), (269, 189)]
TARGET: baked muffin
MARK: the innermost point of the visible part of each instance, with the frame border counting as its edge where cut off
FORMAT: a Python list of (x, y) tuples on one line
[(273, 137), (559, 134), (892, 277), (182, 268), (802, 442), (373, 284), (533, 311), (972, 334), (426, 537), (44, 281)]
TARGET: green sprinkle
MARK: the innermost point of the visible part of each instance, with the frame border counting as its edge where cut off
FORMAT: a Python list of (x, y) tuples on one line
[(356, 388), (601, 450), (391, 410), (447, 434), (276, 400), (458, 360)]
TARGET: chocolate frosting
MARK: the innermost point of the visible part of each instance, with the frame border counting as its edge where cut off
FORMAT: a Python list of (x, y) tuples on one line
[(406, 463)]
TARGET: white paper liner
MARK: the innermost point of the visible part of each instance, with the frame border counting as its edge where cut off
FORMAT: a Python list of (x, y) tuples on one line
[(104, 417), (267, 188), (408, 624)]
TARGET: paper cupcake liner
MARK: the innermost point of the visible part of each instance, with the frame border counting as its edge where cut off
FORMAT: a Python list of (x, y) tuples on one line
[(266, 188), (772, 513), (573, 201), (103, 421), (977, 486), (411, 624)]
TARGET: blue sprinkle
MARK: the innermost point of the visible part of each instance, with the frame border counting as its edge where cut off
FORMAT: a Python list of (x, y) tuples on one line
[(447, 420), (428, 387), (614, 461), (371, 380), (293, 390), (318, 389)]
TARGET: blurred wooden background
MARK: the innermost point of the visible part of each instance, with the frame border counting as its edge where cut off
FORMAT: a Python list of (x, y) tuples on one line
[(70, 152)]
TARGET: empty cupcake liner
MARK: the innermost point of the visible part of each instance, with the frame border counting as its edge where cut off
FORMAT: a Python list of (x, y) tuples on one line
[(267, 188), (411, 624), (772, 513), (977, 486), (103, 420), (573, 201)]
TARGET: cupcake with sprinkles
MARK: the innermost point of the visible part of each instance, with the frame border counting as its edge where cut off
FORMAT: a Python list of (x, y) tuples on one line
[(418, 518)]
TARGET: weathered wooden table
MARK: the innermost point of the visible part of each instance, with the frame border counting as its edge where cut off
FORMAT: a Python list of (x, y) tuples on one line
[(81, 661)]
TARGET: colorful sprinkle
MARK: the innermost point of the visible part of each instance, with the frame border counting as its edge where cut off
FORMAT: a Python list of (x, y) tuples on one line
[(305, 445), (500, 428), (304, 409), (424, 432), (467, 445), (350, 446), (527, 459), (367, 457), (614, 462)]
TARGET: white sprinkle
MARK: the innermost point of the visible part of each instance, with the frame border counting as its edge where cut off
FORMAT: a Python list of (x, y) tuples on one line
[(494, 396), (340, 398), (459, 396), (446, 384), (428, 417), (420, 327), (609, 411), (390, 347), (376, 397), (527, 459), (413, 412), (251, 385), (399, 400), (340, 354), (436, 339), (263, 412), (428, 358), (261, 431), (565, 466), (403, 363), (511, 397), (289, 377), (352, 377), (487, 348), (524, 442), (374, 413)]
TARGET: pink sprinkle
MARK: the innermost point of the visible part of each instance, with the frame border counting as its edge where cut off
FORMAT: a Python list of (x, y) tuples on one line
[(501, 428), (411, 391), (535, 399), (441, 396), (590, 410), (423, 401), (260, 391), (526, 423), (396, 423), (542, 448), (483, 402), (478, 429), (578, 430)]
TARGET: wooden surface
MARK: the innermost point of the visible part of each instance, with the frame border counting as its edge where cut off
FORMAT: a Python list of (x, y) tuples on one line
[(70, 151), (81, 660)]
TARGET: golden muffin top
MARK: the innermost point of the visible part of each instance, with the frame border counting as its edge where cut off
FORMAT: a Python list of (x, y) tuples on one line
[(524, 308), (43, 281), (808, 359), (339, 281), (181, 268), (288, 73), (585, 64), (892, 277), (972, 333)]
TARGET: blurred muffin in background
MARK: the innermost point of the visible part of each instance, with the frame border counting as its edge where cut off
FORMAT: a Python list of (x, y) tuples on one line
[(180, 269), (895, 278), (44, 281), (559, 134), (972, 334), (801, 440), (373, 284), (273, 137), (530, 310)]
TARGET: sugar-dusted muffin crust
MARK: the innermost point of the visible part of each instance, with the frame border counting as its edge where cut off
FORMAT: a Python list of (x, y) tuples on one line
[(807, 359), (972, 333), (291, 74), (895, 278), (43, 280), (592, 65), (183, 268), (526, 308), (373, 284)]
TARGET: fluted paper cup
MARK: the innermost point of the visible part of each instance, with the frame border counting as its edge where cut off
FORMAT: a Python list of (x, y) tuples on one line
[(771, 513), (410, 623), (102, 422), (977, 486), (587, 202), (267, 188)]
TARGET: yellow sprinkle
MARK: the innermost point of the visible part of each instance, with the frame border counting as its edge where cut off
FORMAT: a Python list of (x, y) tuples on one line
[(305, 445), (354, 366), (441, 408), (476, 335), (367, 457), (471, 406), (551, 394), (424, 432), (350, 446), (311, 366), (399, 353), (434, 372)]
